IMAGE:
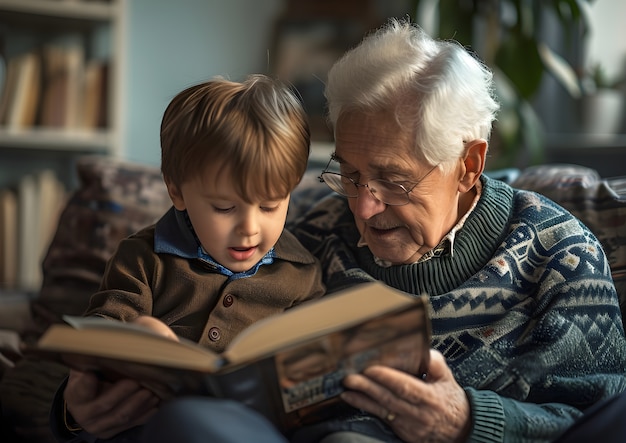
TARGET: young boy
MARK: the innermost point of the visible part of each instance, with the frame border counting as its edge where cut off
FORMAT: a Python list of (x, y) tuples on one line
[(219, 259)]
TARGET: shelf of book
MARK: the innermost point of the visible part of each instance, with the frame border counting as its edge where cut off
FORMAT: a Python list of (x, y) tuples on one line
[(60, 94), (61, 65), (97, 10), (80, 141)]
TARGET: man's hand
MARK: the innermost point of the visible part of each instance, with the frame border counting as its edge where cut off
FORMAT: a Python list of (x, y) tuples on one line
[(435, 409)]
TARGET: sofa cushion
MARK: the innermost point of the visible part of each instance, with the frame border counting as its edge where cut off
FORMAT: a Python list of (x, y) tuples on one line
[(599, 203)]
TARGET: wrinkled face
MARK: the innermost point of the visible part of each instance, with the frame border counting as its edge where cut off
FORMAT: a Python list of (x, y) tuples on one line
[(374, 146), (233, 232)]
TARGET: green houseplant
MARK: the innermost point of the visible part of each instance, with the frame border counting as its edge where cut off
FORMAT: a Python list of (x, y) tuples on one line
[(510, 37)]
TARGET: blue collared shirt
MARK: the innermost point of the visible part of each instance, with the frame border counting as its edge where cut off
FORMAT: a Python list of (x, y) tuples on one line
[(174, 235)]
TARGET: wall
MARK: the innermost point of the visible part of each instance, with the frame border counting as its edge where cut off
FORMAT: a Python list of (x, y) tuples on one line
[(172, 45), (607, 43), (566, 139)]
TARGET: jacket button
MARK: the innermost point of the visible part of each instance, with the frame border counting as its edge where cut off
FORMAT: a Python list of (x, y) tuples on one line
[(215, 334), (228, 301)]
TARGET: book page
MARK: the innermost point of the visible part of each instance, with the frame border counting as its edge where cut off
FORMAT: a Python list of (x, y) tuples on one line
[(96, 322), (315, 319), (111, 339)]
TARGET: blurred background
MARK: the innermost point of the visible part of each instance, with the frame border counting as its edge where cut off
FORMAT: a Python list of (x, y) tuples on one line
[(80, 77), (555, 61)]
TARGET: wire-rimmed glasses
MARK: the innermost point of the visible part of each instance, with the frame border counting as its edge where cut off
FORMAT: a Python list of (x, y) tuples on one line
[(390, 193)]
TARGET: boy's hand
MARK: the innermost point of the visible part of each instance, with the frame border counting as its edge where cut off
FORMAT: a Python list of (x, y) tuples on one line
[(105, 409), (156, 325)]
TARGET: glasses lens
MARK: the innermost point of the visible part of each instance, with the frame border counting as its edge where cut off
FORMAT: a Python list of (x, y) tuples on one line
[(340, 184), (388, 192)]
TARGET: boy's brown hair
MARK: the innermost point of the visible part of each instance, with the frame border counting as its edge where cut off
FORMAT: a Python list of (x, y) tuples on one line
[(256, 129)]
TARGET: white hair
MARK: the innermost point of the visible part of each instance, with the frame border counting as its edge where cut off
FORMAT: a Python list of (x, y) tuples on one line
[(433, 86)]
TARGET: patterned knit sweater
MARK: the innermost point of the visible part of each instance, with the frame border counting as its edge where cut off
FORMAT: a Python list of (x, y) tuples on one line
[(524, 311)]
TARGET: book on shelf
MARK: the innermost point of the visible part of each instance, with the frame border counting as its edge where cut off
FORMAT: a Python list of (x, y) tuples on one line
[(8, 238), (25, 102), (40, 198), (22, 91), (8, 87), (288, 367), (63, 68), (95, 101), (51, 198), (28, 219)]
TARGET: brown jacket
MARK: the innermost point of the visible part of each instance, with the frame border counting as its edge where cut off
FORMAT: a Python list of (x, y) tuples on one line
[(196, 301)]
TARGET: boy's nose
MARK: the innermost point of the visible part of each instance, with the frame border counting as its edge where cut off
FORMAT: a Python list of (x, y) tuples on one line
[(248, 225)]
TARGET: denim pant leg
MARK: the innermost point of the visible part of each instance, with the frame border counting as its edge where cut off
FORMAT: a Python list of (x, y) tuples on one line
[(205, 419)]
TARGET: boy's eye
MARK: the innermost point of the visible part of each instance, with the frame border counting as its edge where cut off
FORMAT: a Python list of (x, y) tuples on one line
[(269, 208), (223, 210)]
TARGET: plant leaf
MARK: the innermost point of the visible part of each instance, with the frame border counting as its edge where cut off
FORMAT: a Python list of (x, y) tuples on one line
[(519, 60), (558, 67)]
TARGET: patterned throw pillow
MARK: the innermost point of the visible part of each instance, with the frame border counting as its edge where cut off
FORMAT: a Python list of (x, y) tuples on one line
[(599, 203), (115, 198)]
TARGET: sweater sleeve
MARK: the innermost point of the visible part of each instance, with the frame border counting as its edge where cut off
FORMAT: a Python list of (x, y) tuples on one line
[(560, 347), (496, 418)]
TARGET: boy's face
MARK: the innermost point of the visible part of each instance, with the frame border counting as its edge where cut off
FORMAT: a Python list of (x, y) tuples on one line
[(234, 233)]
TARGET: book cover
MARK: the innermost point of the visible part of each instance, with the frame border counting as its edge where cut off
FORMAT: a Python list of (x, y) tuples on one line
[(288, 367)]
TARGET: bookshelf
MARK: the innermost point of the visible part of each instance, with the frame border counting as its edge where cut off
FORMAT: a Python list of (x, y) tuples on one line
[(60, 98), (92, 27)]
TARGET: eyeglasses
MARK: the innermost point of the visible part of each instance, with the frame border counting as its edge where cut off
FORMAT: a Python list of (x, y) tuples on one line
[(390, 193)]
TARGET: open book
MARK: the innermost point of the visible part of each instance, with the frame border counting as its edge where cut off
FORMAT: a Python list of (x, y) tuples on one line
[(289, 367)]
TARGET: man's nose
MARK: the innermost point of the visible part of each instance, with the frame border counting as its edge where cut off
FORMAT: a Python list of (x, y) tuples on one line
[(365, 205)]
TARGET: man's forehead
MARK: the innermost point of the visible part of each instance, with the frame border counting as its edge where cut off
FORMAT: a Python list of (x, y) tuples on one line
[(380, 162)]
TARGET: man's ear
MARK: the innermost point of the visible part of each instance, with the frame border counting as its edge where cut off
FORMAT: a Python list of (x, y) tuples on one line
[(474, 162), (175, 195)]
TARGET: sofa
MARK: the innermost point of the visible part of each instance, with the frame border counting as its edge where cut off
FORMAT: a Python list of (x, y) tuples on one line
[(115, 198)]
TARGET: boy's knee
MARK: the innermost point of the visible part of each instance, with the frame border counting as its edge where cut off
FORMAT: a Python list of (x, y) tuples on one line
[(202, 419)]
